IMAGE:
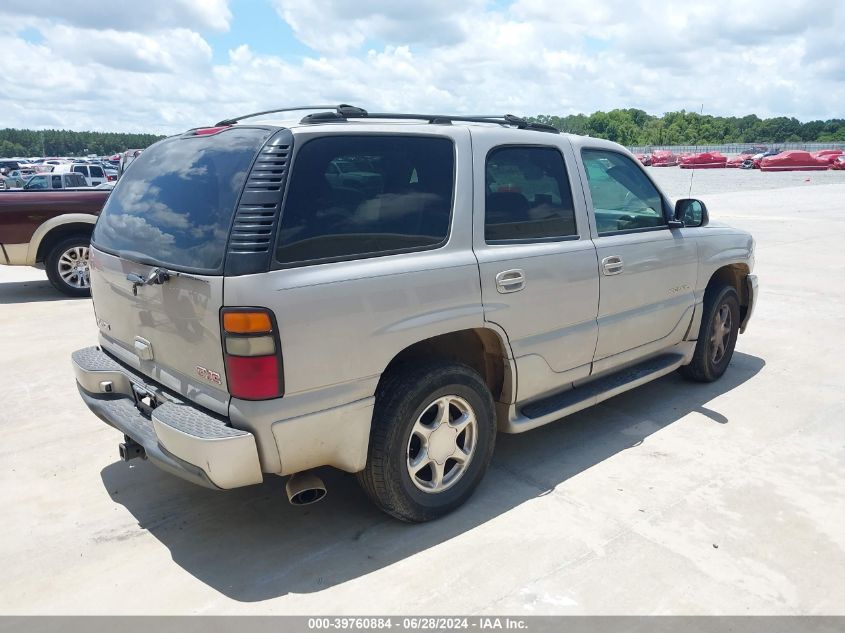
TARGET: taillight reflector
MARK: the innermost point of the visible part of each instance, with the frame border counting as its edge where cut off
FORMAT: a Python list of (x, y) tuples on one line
[(253, 377)]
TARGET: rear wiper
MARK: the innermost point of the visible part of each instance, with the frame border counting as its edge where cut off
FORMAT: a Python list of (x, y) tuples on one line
[(157, 276)]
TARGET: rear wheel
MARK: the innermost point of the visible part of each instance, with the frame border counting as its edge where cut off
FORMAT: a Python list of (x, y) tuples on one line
[(67, 266), (432, 439), (717, 336)]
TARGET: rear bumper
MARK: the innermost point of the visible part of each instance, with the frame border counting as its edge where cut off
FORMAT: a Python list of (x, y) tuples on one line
[(177, 436), (751, 290)]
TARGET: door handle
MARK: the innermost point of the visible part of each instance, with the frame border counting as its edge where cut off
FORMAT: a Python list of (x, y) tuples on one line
[(510, 281), (611, 265)]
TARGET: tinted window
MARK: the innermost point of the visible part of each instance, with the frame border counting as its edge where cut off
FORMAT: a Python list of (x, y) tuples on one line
[(623, 197), (80, 169), (36, 182), (75, 180), (97, 172), (57, 182), (366, 195), (527, 195), (176, 204)]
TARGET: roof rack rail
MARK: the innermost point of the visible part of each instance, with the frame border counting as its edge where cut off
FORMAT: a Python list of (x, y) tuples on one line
[(506, 119), (343, 110)]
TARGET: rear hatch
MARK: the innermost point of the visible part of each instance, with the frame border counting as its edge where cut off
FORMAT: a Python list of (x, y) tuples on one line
[(173, 211)]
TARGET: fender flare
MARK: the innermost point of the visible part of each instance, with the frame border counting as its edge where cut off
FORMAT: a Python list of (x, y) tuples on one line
[(42, 231)]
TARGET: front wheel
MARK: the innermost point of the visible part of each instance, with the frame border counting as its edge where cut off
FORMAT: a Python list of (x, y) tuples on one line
[(433, 434), (67, 266), (717, 336)]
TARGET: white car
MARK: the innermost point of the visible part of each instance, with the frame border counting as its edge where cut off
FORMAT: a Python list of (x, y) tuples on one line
[(94, 174)]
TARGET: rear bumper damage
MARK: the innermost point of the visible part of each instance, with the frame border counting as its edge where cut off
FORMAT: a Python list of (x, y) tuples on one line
[(176, 436)]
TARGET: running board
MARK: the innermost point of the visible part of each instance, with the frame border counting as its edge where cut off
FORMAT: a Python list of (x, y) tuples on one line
[(559, 405)]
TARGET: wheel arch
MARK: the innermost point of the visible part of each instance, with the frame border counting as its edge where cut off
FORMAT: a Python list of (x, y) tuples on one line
[(55, 229), (484, 349), (732, 275)]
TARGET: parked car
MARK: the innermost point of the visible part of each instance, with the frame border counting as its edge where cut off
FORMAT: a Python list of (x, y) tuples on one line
[(16, 178), (793, 160), (827, 155), (51, 228), (244, 332), (93, 174), (645, 159), (754, 161), (704, 160), (738, 160), (8, 165), (68, 180), (663, 158)]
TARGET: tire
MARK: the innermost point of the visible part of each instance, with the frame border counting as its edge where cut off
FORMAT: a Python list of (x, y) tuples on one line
[(64, 273), (409, 404), (716, 340)]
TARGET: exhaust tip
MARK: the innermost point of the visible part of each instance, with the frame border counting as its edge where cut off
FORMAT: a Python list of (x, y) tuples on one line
[(305, 488)]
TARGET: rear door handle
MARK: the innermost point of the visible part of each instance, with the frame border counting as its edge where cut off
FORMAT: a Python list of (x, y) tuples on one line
[(611, 265), (510, 281)]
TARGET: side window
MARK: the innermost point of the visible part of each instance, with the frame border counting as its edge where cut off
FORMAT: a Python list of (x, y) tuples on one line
[(36, 182), (362, 196), (57, 182), (623, 197), (80, 169), (528, 197)]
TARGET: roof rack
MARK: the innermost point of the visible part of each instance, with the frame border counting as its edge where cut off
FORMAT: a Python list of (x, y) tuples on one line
[(342, 109), (344, 112)]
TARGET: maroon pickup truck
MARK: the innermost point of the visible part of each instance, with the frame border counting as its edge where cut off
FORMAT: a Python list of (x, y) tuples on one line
[(53, 229)]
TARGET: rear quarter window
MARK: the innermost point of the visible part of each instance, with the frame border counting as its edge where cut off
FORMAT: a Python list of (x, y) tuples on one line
[(364, 196)]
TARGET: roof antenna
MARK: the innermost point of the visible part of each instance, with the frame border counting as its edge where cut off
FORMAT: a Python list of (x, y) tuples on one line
[(692, 171)]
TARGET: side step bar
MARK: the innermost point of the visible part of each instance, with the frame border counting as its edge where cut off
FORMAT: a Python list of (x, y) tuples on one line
[(586, 395)]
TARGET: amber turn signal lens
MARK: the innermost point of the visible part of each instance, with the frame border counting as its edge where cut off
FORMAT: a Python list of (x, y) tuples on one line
[(246, 322)]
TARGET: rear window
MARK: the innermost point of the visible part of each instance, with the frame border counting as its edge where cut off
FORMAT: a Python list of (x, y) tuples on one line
[(175, 205), (75, 180), (363, 196)]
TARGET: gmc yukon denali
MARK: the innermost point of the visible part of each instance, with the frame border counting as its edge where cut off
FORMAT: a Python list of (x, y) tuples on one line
[(259, 315)]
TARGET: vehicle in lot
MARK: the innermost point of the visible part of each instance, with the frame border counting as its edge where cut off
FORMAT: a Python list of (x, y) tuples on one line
[(663, 158), (94, 174), (8, 165), (704, 160), (53, 181), (255, 318), (793, 160), (51, 228)]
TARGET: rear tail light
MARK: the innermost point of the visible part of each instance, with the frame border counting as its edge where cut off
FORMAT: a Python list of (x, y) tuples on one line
[(252, 353)]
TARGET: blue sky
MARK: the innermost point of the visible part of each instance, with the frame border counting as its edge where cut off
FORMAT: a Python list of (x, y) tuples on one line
[(167, 65)]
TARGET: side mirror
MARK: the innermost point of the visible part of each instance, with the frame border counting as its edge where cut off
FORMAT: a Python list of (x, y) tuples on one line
[(691, 212)]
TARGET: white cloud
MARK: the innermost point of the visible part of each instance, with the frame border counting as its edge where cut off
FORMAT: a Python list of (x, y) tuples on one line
[(533, 56), (126, 15)]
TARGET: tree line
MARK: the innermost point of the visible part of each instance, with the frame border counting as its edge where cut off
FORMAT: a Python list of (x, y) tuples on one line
[(25, 143), (636, 127)]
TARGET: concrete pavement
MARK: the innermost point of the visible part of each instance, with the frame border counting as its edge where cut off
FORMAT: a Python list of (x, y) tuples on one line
[(674, 498)]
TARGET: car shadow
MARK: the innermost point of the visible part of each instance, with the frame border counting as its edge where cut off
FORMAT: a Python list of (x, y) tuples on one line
[(32, 291), (251, 545)]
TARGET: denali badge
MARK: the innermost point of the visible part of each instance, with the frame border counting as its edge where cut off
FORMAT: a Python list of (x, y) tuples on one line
[(211, 376)]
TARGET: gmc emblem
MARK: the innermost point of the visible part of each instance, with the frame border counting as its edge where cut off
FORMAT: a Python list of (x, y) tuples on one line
[(207, 374)]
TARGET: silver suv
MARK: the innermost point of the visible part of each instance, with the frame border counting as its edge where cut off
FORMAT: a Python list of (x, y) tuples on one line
[(261, 314)]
